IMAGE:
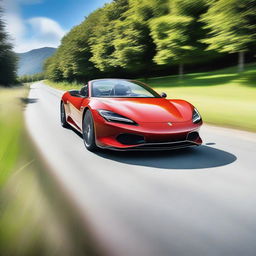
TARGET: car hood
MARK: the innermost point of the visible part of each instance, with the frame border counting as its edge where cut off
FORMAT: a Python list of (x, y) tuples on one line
[(149, 109)]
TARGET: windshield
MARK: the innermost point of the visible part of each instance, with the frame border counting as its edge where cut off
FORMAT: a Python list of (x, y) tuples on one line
[(115, 88)]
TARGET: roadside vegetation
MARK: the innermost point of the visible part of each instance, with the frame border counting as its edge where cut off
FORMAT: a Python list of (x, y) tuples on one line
[(130, 38), (10, 129), (10, 106), (31, 78), (8, 59), (224, 97), (64, 85), (34, 216)]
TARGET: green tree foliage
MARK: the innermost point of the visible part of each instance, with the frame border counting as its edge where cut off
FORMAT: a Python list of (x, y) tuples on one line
[(72, 59), (102, 42), (177, 35), (8, 59), (233, 26), (171, 36), (136, 37), (52, 69), (134, 47)]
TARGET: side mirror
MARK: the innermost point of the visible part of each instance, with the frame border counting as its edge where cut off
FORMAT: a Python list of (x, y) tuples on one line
[(163, 95), (84, 91)]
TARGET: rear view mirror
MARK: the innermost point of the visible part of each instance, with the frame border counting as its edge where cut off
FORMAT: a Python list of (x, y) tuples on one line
[(163, 95)]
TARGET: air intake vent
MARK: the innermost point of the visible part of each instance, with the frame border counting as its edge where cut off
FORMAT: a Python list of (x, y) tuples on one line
[(192, 136), (130, 139)]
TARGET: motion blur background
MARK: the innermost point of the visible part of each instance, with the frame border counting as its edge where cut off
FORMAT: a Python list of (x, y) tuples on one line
[(202, 51)]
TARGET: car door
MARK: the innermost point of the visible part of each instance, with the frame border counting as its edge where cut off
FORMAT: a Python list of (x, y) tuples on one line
[(77, 101)]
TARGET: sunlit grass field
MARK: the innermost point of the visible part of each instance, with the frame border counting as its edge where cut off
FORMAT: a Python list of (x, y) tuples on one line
[(223, 97)]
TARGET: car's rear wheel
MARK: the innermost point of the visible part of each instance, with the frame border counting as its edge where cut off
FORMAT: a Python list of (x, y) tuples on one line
[(88, 131), (63, 119)]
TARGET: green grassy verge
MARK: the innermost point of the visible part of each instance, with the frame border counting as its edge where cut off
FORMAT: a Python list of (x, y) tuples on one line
[(223, 97), (35, 218), (10, 129), (64, 85)]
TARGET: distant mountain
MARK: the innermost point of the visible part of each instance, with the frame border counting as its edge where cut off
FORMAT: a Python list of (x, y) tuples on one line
[(32, 62)]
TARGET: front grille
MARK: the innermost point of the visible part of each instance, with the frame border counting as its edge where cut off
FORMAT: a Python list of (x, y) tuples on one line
[(167, 138), (130, 139)]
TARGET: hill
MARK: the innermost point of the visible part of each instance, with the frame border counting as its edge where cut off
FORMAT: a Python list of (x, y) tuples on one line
[(31, 62)]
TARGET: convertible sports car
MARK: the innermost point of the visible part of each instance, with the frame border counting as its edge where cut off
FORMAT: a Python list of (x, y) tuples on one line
[(122, 114)]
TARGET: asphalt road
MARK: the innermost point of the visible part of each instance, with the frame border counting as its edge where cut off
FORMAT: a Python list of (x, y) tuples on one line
[(198, 201)]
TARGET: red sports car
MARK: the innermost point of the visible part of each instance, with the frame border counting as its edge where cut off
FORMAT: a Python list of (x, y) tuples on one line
[(122, 114)]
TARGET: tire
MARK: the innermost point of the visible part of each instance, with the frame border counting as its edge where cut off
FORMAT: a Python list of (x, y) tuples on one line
[(88, 132), (63, 119)]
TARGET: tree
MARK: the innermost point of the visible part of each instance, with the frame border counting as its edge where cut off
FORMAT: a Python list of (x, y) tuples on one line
[(171, 35), (232, 25), (72, 59), (137, 37), (134, 47), (8, 59), (51, 68), (177, 34), (102, 41)]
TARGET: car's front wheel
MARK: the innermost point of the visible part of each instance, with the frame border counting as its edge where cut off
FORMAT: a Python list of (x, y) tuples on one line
[(63, 119), (88, 131)]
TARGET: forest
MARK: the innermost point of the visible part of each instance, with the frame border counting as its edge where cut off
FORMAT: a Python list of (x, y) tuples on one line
[(130, 38)]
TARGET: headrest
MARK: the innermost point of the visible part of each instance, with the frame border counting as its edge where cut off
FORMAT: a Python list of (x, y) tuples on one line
[(120, 89)]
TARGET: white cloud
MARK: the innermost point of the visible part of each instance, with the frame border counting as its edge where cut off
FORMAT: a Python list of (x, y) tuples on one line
[(33, 33), (15, 25), (45, 27)]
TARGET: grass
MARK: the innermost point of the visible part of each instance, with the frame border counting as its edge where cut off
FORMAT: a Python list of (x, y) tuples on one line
[(35, 218), (10, 129), (223, 97), (64, 85)]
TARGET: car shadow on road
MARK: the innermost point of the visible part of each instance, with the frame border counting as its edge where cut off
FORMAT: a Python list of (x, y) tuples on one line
[(75, 131), (26, 101), (188, 158)]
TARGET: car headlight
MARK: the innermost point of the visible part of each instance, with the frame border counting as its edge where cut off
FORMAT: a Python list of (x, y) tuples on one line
[(196, 116), (114, 117)]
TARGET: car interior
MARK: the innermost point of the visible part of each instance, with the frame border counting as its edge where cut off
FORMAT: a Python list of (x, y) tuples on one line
[(108, 89), (83, 92)]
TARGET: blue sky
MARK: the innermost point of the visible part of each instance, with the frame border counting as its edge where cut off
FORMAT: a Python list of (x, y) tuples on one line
[(37, 23), (66, 12)]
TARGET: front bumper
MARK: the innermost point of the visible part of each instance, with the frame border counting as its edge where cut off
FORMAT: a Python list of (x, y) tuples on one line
[(154, 146), (154, 136)]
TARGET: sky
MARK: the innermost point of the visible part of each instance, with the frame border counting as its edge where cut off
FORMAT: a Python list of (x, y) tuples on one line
[(34, 24)]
